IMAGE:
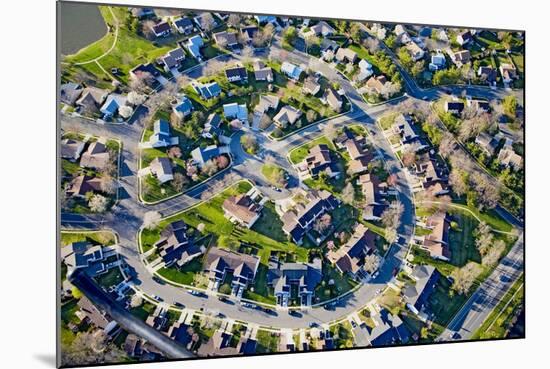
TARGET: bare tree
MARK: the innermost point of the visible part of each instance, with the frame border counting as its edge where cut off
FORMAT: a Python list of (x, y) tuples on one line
[(494, 253), (372, 45), (392, 215), (464, 278), (323, 223), (136, 98), (447, 145), (484, 238), (372, 262), (330, 131), (136, 301), (98, 203), (348, 194), (151, 219), (140, 83), (209, 168), (179, 181), (234, 20), (208, 22), (109, 184)]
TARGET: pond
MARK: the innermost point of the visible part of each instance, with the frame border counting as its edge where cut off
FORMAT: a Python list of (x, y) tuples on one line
[(80, 25)]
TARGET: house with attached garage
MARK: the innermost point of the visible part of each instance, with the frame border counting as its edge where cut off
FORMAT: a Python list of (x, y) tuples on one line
[(173, 59), (175, 246), (242, 267), (81, 185), (95, 157), (71, 149), (311, 86), (416, 295), (288, 115), (236, 74), (349, 258), (248, 33), (377, 83), (346, 55), (226, 39), (147, 72), (211, 126), (262, 72), (161, 29), (161, 169), (487, 74), (183, 25), (291, 71), (112, 104), (464, 38), (437, 242), (508, 157), (319, 159), (299, 219), (88, 257), (91, 99), (388, 329), (487, 142), (194, 45), (161, 136), (332, 99), (183, 108), (321, 28), (365, 71), (508, 72), (414, 51), (205, 21), (372, 190), (201, 155), (437, 62), (294, 280), (207, 90), (234, 110), (454, 107), (69, 93), (460, 58), (242, 209)]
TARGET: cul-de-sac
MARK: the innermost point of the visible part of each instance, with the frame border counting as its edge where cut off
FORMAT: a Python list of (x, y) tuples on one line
[(236, 184)]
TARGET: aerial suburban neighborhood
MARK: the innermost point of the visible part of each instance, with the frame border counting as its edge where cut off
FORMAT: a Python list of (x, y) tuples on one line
[(236, 184)]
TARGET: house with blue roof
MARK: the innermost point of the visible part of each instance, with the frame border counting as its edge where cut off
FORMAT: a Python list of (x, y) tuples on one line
[(161, 136), (262, 19), (207, 90), (111, 105), (201, 155), (437, 62), (389, 329), (183, 108), (292, 71), (234, 110), (194, 45)]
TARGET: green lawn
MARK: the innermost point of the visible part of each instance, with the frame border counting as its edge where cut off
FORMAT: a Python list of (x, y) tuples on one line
[(111, 278), (105, 238), (442, 304), (462, 242), (267, 341), (271, 172), (269, 224), (298, 154), (185, 274), (259, 291)]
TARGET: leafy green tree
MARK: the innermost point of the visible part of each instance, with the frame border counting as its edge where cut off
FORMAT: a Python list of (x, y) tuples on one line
[(510, 105)]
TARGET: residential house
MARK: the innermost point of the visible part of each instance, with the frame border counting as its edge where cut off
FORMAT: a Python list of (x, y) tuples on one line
[(183, 25), (201, 155), (146, 72), (161, 168), (217, 345), (365, 71), (350, 258), (360, 158), (112, 104), (262, 72), (414, 51), (299, 220), (437, 242), (322, 28), (86, 256), (292, 71), (263, 19), (183, 108), (161, 29), (235, 110), (181, 333), (460, 58), (346, 55), (437, 62), (487, 142), (319, 159), (464, 38), (508, 72), (371, 188), (225, 39), (142, 13), (194, 45), (267, 102), (388, 330), (454, 107), (207, 90), (480, 105), (333, 99), (377, 83), (90, 314), (288, 115), (220, 262), (432, 175), (508, 157), (236, 74), (211, 126), (242, 209), (488, 74), (205, 21), (311, 86), (402, 126), (158, 319), (95, 157), (69, 93), (248, 33), (81, 185), (71, 149), (91, 99), (175, 246), (161, 136), (294, 280), (173, 59), (417, 295)]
